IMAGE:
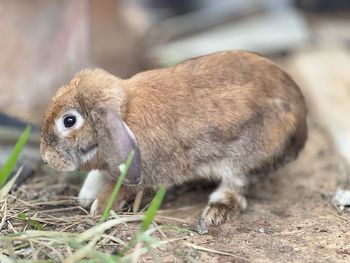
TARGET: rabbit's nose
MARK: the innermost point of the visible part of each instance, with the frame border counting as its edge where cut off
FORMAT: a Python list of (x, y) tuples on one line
[(44, 160)]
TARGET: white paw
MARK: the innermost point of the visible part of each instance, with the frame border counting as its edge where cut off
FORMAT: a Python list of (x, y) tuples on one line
[(242, 201), (84, 202), (93, 209), (86, 195), (92, 186)]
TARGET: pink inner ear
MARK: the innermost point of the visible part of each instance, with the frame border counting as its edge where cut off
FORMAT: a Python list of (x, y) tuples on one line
[(134, 175), (122, 144)]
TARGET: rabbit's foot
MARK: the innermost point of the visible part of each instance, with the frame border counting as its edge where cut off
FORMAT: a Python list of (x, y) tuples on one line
[(93, 184), (223, 204), (101, 201)]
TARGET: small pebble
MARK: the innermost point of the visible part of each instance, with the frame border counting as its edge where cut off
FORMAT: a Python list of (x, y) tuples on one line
[(80, 228), (89, 222), (261, 230), (341, 200)]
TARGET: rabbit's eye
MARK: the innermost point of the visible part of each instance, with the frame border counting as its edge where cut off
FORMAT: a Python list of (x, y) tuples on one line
[(69, 121)]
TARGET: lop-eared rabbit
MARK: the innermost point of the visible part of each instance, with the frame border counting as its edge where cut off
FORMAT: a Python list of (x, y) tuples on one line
[(229, 117)]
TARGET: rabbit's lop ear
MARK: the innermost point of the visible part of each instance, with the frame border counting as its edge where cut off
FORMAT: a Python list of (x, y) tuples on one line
[(115, 142)]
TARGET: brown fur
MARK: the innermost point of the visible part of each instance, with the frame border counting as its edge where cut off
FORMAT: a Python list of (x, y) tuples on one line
[(230, 109)]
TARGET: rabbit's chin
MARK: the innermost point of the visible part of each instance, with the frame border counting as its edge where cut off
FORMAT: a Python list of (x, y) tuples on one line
[(67, 167), (88, 155)]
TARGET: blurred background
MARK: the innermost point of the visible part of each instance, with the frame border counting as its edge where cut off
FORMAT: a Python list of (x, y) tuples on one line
[(43, 44)]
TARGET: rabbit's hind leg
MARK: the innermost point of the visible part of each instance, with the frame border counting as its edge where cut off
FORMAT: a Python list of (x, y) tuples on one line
[(226, 201)]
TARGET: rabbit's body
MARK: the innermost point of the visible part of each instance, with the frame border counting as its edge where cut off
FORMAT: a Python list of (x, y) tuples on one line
[(228, 117), (192, 128)]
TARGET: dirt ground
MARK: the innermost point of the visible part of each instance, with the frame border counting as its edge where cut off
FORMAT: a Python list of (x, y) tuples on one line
[(289, 218)]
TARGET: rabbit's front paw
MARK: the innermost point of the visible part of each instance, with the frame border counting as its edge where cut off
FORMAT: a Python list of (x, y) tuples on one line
[(94, 182)]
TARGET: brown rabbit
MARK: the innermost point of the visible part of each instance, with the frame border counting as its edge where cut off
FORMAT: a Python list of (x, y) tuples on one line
[(229, 117)]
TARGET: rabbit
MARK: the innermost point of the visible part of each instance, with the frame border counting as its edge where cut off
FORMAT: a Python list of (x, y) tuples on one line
[(230, 117)]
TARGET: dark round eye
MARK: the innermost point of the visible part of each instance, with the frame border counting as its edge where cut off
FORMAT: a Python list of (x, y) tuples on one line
[(69, 121)]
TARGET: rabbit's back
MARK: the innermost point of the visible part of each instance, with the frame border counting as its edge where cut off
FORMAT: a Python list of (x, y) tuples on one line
[(231, 111)]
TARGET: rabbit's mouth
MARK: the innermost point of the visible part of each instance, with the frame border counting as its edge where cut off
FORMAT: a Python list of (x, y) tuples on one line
[(88, 154)]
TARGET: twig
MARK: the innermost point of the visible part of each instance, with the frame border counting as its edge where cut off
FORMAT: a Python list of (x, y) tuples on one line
[(83, 209), (34, 254), (61, 209), (159, 230), (137, 201), (214, 251), (11, 227), (4, 212), (107, 238), (160, 218)]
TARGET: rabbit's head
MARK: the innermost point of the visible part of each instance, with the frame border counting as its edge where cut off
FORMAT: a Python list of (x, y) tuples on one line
[(83, 127)]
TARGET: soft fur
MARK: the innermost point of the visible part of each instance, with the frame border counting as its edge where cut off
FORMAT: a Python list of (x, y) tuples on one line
[(229, 117)]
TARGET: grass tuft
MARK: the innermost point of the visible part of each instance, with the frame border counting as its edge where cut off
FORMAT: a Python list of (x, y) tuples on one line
[(47, 246), (13, 157), (32, 223)]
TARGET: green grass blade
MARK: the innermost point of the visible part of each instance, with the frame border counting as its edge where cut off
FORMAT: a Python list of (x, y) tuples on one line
[(152, 210), (8, 186), (12, 159), (5, 259), (123, 171), (32, 223)]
